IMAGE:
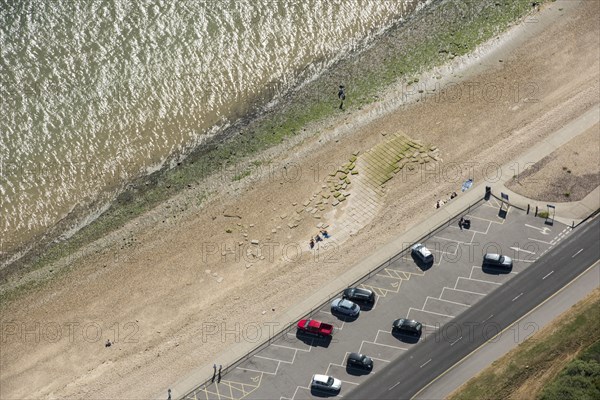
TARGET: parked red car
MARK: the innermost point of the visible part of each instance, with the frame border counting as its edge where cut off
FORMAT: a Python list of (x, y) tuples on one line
[(315, 327)]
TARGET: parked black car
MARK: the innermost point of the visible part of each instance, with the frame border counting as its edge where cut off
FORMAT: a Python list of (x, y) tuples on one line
[(497, 260), (359, 294), (358, 360), (407, 326)]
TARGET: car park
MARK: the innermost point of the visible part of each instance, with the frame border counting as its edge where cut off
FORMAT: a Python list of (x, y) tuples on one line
[(497, 260), (358, 360), (325, 382), (345, 307), (422, 253), (407, 326), (359, 294)]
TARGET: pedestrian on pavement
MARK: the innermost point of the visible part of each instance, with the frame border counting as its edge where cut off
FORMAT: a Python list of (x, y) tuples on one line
[(169, 392), (461, 222)]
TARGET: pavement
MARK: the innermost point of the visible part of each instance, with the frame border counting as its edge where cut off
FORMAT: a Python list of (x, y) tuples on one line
[(569, 212)]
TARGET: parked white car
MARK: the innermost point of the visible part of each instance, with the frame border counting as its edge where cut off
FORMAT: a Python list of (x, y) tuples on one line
[(325, 382)]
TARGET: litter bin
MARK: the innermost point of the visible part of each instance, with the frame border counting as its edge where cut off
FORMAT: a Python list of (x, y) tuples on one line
[(488, 193)]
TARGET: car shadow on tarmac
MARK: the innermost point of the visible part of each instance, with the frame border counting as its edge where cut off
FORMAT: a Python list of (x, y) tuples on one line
[(424, 266), (406, 338), (313, 340)]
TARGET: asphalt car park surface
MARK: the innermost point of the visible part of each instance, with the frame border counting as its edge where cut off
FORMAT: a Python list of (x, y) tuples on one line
[(431, 294)]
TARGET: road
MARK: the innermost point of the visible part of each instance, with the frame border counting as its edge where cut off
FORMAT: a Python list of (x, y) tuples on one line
[(405, 377)]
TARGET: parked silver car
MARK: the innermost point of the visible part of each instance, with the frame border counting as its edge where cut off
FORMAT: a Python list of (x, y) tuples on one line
[(345, 307), (359, 294)]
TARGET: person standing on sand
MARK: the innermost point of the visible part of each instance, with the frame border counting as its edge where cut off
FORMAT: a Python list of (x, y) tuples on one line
[(342, 96)]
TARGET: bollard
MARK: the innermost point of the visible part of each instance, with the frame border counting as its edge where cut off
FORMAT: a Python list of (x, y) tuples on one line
[(528, 209), (536, 210), (488, 192)]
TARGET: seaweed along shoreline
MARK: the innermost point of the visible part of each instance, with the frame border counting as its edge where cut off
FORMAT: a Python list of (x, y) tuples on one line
[(430, 37)]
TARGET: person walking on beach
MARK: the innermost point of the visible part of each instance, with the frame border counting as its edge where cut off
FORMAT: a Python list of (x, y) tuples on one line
[(342, 96)]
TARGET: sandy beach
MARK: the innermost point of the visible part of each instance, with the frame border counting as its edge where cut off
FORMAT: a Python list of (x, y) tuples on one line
[(153, 285)]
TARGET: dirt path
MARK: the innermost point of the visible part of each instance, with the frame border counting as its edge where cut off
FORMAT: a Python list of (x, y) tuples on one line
[(568, 174), (174, 272)]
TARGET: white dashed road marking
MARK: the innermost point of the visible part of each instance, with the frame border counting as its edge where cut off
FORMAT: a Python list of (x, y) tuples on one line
[(517, 297)]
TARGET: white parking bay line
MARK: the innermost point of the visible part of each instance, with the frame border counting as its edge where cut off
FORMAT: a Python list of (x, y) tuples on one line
[(430, 312), (519, 250), (452, 240), (544, 230), (479, 280), (460, 290), (537, 240), (447, 301)]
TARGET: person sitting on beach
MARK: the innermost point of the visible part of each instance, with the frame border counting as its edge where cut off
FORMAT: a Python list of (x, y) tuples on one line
[(438, 204), (312, 243), (318, 238), (453, 195), (324, 233)]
